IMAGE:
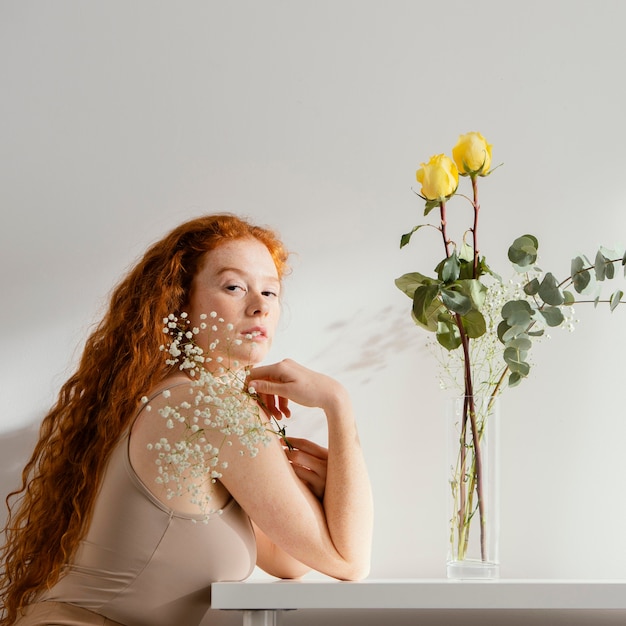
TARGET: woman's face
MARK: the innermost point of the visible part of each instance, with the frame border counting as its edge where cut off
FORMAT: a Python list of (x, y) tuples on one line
[(239, 282)]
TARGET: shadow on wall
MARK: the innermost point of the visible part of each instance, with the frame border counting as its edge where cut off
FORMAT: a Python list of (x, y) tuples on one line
[(15, 450)]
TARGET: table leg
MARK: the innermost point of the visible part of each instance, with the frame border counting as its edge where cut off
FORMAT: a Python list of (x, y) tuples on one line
[(261, 618)]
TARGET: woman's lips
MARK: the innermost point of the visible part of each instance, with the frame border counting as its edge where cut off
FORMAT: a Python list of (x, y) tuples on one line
[(258, 333)]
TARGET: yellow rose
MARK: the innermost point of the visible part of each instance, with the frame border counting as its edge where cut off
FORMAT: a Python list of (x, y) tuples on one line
[(439, 177), (472, 155)]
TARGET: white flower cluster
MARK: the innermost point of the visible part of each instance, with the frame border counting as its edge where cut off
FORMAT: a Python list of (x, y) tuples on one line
[(485, 351), (219, 409)]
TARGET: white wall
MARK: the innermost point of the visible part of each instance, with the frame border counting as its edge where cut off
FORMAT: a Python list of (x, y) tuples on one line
[(120, 119)]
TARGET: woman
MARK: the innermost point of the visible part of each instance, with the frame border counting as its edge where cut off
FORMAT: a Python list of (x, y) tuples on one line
[(98, 536)]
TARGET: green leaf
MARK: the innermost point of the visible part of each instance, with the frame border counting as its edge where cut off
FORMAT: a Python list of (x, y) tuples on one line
[(522, 343), (515, 360), (466, 253), (431, 314), (552, 315), (448, 334), (580, 277), (450, 269), (408, 283), (422, 300), (456, 300), (467, 271), (531, 288), (430, 205), (474, 324), (502, 330), (549, 290), (616, 298), (600, 266), (407, 236), (475, 290), (483, 268), (609, 270), (517, 313), (569, 298), (515, 379), (523, 251)]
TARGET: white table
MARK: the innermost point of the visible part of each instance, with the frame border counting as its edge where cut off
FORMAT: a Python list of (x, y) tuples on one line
[(263, 601)]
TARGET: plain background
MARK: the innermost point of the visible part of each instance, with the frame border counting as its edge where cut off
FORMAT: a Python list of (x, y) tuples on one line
[(120, 119)]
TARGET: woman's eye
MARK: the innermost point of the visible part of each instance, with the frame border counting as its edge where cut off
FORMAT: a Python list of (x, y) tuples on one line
[(234, 287), (270, 294)]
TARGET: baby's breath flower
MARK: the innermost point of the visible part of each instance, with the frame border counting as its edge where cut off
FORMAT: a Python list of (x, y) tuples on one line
[(220, 408)]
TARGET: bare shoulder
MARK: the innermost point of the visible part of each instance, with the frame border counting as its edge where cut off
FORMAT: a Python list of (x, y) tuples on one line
[(166, 422)]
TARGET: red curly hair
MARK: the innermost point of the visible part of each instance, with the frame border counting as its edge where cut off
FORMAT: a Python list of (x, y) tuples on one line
[(50, 512)]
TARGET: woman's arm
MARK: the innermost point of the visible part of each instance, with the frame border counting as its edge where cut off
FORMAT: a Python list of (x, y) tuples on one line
[(309, 461), (333, 535)]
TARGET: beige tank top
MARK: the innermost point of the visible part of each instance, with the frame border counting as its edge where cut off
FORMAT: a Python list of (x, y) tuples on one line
[(142, 564)]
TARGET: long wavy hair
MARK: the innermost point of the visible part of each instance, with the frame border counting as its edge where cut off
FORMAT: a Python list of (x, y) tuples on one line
[(50, 512)]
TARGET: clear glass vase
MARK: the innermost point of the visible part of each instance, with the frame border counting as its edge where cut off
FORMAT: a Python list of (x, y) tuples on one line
[(473, 448)]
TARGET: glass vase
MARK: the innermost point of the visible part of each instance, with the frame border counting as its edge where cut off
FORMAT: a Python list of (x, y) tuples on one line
[(473, 448)]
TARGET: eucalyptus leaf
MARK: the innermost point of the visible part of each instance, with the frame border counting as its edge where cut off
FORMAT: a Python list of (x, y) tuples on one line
[(514, 379), (549, 290), (502, 330), (609, 270), (616, 298), (521, 342), (512, 333), (517, 313), (600, 266), (569, 298), (580, 276), (552, 315), (531, 288), (515, 361), (523, 251)]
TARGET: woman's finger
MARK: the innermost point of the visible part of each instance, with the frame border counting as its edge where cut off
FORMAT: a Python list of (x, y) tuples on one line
[(302, 459), (316, 483), (306, 445)]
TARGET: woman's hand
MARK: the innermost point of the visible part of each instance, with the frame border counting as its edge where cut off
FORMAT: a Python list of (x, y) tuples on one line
[(312, 504), (278, 383), (310, 463)]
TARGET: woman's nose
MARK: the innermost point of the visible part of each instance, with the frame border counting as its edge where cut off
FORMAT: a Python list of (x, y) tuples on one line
[(257, 305)]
